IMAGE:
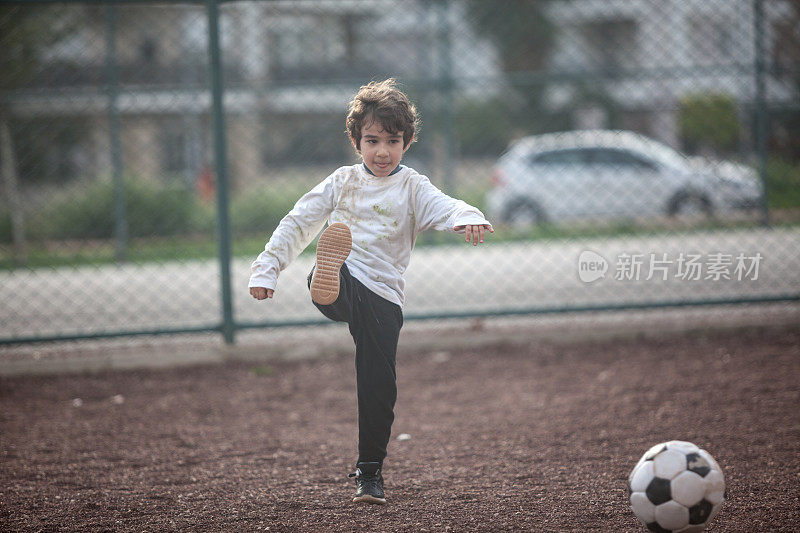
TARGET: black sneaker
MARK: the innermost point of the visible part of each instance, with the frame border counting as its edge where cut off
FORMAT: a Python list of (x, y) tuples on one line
[(369, 483)]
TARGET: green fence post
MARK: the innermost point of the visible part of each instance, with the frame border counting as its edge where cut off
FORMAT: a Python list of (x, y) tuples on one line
[(220, 158), (446, 95), (761, 107), (120, 218)]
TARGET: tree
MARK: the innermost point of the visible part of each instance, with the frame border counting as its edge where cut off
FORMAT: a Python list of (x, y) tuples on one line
[(25, 33), (518, 28), (523, 36), (785, 139)]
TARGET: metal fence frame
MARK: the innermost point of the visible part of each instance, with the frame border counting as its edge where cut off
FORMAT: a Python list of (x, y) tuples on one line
[(228, 325)]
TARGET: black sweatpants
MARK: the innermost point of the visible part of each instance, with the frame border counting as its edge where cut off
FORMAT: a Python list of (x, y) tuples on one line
[(375, 326)]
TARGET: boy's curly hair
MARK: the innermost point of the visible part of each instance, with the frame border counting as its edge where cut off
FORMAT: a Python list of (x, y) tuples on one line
[(384, 102)]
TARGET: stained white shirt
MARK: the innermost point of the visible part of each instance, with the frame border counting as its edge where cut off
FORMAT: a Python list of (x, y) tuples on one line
[(385, 215)]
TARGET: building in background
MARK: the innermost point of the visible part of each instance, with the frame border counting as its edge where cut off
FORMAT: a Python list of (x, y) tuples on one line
[(645, 56), (291, 66)]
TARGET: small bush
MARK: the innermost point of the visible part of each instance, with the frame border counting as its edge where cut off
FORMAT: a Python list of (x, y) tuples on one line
[(709, 121), (261, 212), (483, 128), (151, 209), (783, 184)]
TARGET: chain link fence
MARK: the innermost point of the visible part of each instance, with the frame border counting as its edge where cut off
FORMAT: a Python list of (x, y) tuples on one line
[(631, 154)]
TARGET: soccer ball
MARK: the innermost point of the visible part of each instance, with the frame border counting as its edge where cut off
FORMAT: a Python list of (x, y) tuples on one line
[(676, 487)]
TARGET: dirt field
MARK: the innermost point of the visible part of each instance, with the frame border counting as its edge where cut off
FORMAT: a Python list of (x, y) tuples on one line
[(523, 438)]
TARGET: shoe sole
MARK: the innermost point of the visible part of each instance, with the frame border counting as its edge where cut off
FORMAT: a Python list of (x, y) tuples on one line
[(332, 249), (369, 499)]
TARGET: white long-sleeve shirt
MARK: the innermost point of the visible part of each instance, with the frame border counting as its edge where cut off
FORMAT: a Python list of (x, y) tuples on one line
[(385, 215)]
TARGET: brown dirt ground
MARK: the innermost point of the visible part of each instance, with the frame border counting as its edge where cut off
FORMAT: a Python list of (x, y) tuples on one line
[(537, 437)]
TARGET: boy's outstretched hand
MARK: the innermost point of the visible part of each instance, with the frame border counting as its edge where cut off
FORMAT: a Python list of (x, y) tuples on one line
[(261, 293), (475, 232)]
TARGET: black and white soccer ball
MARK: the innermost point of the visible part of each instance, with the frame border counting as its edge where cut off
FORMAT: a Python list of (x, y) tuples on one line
[(676, 487)]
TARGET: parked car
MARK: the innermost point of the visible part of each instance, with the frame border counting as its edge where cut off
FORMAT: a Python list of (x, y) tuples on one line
[(606, 175)]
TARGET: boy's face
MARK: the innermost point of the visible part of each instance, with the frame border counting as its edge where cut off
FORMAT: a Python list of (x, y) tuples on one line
[(381, 150)]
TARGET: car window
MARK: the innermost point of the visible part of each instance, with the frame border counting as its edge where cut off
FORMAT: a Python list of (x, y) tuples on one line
[(560, 157), (618, 158)]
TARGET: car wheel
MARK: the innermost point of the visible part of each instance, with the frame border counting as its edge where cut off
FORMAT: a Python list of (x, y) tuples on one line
[(523, 214), (690, 206)]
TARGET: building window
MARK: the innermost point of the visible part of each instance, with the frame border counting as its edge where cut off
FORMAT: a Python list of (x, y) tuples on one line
[(304, 46), (611, 44), (148, 49), (711, 41)]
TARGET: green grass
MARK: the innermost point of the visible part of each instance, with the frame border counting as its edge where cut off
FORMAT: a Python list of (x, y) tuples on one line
[(139, 251), (549, 232), (74, 227), (204, 247)]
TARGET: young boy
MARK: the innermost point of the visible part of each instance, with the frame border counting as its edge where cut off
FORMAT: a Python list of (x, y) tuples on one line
[(375, 211)]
